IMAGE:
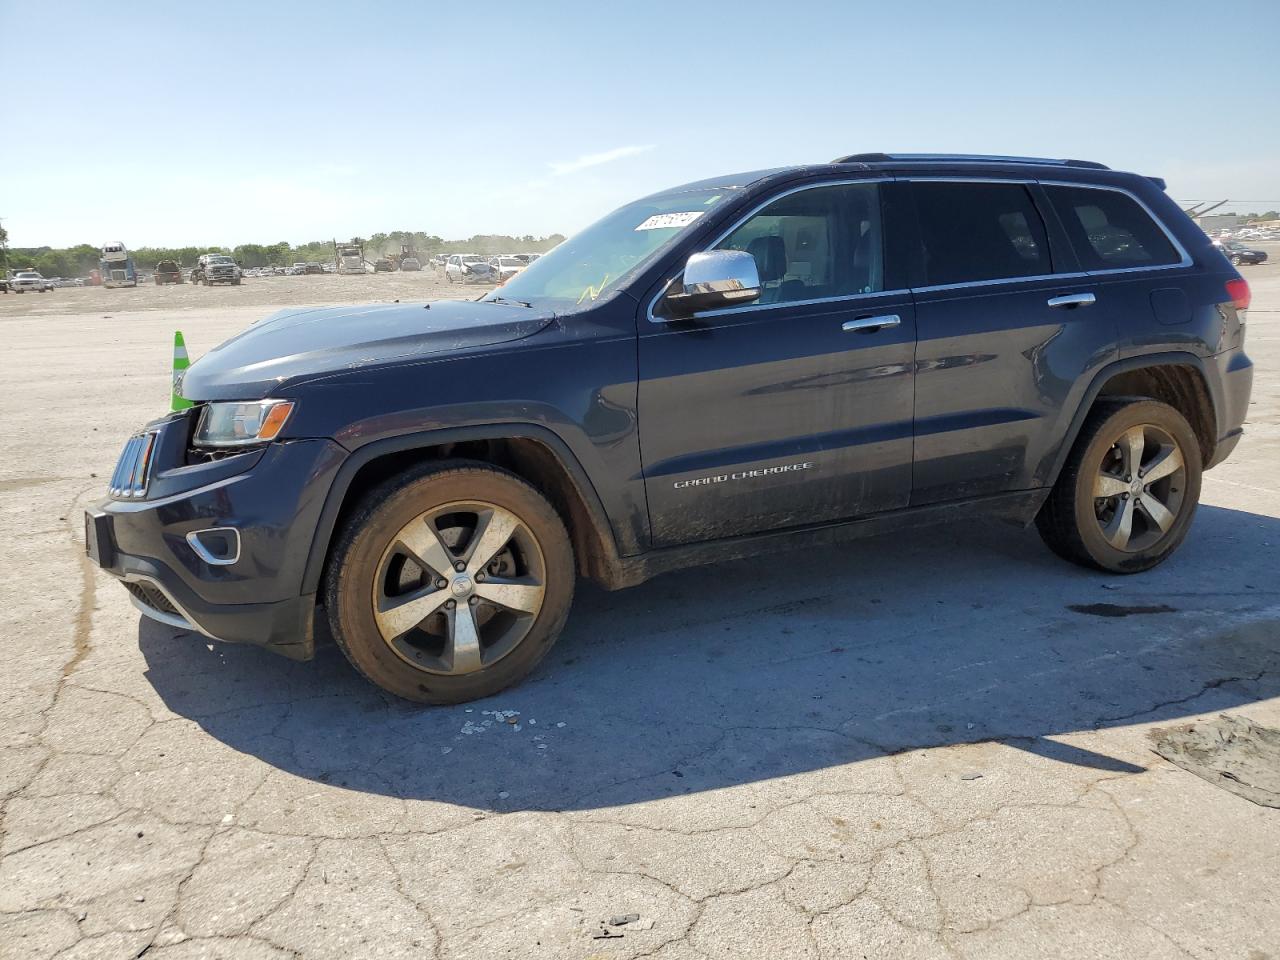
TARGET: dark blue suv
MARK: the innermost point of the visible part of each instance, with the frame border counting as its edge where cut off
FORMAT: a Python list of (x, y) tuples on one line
[(806, 354)]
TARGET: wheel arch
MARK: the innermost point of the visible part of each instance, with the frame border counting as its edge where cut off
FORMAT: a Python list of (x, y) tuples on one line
[(1176, 378), (534, 453)]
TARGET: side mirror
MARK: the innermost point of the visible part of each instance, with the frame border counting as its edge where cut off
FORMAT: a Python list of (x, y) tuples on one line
[(714, 279)]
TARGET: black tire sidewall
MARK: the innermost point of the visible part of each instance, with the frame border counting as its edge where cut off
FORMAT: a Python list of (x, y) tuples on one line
[(1131, 415), (387, 509)]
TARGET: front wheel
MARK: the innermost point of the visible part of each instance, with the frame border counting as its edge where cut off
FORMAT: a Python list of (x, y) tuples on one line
[(450, 583), (1129, 489), (1236, 260)]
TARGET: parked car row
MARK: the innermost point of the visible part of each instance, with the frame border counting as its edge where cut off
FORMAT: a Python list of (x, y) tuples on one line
[(476, 268)]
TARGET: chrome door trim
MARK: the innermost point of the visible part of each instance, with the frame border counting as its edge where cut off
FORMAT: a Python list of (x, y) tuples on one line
[(1073, 300), (843, 181), (871, 324)]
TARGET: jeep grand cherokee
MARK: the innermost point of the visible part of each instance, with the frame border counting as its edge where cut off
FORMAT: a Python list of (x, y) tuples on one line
[(792, 356)]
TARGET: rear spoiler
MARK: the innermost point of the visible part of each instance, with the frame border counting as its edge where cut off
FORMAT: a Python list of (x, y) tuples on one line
[(1159, 182)]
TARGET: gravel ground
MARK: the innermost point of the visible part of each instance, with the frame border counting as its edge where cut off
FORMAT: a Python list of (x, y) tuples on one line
[(911, 747)]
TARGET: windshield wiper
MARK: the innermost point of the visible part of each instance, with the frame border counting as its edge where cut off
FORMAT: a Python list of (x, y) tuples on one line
[(519, 303)]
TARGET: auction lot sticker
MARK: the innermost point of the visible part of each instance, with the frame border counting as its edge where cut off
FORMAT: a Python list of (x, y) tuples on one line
[(664, 221)]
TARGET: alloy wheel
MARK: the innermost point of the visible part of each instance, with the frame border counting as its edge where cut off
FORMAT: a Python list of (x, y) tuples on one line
[(459, 587), (1139, 489)]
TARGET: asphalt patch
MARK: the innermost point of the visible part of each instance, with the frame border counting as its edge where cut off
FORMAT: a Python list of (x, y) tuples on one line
[(1118, 610)]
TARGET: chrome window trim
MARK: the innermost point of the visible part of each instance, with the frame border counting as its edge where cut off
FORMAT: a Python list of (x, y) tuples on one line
[(843, 181), (747, 307), (1002, 280), (1185, 260)]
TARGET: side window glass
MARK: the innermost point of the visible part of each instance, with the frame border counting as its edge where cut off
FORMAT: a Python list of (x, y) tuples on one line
[(1110, 230), (979, 231), (816, 243)]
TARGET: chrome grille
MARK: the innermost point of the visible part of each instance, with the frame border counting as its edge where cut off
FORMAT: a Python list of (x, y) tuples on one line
[(133, 470)]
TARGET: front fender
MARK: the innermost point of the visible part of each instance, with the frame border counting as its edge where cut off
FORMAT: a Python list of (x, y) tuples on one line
[(424, 440)]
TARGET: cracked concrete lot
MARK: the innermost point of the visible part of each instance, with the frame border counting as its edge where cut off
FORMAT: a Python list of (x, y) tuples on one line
[(910, 747)]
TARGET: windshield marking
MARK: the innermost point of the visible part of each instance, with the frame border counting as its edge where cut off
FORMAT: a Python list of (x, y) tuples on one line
[(594, 292), (665, 221)]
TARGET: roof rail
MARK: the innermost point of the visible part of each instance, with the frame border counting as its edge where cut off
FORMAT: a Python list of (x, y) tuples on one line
[(975, 157)]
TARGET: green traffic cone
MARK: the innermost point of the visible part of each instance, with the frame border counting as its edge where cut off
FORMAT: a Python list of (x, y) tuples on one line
[(180, 364)]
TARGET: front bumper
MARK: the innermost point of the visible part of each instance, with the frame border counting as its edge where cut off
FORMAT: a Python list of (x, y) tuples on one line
[(272, 505)]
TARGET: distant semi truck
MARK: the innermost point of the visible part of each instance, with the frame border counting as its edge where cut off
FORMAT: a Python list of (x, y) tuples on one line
[(348, 257), (117, 266)]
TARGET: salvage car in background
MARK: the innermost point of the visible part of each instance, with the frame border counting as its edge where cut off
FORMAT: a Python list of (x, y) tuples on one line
[(168, 271), (469, 268), (507, 267)]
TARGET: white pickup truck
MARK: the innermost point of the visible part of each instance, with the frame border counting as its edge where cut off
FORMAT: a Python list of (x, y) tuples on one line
[(26, 280)]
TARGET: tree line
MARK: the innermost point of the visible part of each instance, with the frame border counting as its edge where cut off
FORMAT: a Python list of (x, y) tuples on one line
[(78, 260)]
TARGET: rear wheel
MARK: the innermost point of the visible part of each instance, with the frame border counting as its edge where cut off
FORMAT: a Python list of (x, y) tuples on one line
[(450, 583), (1129, 489), (1236, 260)]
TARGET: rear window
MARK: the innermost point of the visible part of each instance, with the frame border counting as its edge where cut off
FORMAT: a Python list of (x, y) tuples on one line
[(979, 231), (1110, 230)]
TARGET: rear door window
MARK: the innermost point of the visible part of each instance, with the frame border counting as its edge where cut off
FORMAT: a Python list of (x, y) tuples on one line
[(974, 231), (1110, 230)]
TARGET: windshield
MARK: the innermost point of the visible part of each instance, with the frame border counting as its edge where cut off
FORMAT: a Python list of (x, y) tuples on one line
[(510, 262), (220, 260), (597, 260), (28, 276)]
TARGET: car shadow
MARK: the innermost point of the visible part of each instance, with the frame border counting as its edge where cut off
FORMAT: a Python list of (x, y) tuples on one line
[(778, 665)]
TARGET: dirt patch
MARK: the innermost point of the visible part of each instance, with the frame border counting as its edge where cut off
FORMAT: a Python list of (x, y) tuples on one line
[(1233, 753)]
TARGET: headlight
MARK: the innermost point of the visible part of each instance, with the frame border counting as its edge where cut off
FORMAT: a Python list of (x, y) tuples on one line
[(235, 424)]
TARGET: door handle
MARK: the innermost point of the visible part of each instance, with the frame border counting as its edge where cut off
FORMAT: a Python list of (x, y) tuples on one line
[(871, 324), (1072, 300)]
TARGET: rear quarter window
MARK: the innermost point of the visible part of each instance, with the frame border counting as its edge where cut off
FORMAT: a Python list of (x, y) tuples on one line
[(1110, 230)]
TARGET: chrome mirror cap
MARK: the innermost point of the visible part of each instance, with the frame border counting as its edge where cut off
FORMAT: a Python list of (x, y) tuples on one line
[(714, 279)]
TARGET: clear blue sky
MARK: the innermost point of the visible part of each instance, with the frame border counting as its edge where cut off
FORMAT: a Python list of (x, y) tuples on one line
[(227, 122)]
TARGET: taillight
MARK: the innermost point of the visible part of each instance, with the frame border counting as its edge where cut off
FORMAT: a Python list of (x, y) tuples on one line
[(1238, 291)]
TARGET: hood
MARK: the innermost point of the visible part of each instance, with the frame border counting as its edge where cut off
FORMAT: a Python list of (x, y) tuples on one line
[(305, 343)]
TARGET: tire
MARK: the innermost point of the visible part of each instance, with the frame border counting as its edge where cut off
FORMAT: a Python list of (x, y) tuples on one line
[(1236, 260), (1079, 525), (426, 660)]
